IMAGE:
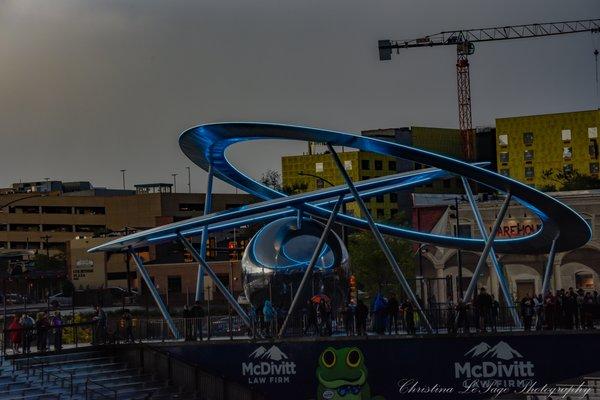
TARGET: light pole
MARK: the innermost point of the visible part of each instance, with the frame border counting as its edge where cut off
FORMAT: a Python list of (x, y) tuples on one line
[(123, 175), (189, 180), (344, 233), (174, 182), (455, 208)]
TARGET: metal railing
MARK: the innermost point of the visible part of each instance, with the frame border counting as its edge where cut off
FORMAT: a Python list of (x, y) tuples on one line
[(100, 390)]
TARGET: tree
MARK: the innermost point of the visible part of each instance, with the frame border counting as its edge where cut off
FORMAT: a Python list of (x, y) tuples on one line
[(298, 187), (43, 262), (568, 180), (370, 266), (272, 179)]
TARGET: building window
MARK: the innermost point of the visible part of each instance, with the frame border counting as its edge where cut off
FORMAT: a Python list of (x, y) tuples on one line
[(57, 228), (566, 135), (593, 132), (567, 168), (593, 149), (392, 166), (24, 227), (528, 155), (567, 153), (505, 172), (464, 230), (504, 157), (380, 213), (58, 210), (394, 212), (393, 197), (584, 280), (320, 183), (174, 283), (503, 140), (348, 165), (364, 164), (90, 228), (24, 210), (529, 174), (378, 165), (3, 227), (379, 198), (528, 138), (84, 210), (319, 167), (594, 168)]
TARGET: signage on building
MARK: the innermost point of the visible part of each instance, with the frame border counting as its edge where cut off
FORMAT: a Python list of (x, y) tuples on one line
[(517, 228), (82, 269)]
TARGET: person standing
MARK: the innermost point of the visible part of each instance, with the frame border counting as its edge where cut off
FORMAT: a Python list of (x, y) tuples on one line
[(393, 310), (269, 314), (100, 326), (483, 304), (362, 312), (409, 316), (527, 311), (538, 304), (15, 334), (57, 327), (28, 325), (128, 322), (42, 325), (197, 313), (349, 318)]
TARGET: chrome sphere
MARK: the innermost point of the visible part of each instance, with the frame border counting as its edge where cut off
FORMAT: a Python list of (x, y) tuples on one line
[(278, 255)]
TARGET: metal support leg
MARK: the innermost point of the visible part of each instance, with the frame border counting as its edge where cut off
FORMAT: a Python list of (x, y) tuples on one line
[(299, 217), (549, 265), (161, 306), (313, 261), (497, 267), (486, 250), (222, 288), (204, 237), (379, 237)]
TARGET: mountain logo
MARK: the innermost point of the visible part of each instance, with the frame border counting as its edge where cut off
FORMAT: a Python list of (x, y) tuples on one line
[(268, 365), (502, 351), (274, 353)]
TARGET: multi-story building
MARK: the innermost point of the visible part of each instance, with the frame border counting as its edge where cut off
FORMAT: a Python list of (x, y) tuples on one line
[(46, 216), (577, 268), (530, 146), (315, 171)]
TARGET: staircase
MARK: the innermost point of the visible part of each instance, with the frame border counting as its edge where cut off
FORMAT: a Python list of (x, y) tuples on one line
[(92, 374)]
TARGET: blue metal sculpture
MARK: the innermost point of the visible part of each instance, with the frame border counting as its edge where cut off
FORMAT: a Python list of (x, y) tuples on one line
[(205, 145)]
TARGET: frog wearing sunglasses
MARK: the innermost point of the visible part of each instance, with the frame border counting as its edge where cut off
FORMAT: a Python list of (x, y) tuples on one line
[(342, 375)]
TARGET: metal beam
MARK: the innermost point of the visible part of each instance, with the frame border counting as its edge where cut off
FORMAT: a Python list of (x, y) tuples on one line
[(313, 261), (161, 306), (204, 237), (378, 236), (222, 288), (486, 250), (497, 267), (549, 266)]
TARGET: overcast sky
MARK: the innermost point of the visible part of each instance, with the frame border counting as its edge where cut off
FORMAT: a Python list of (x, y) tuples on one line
[(91, 87)]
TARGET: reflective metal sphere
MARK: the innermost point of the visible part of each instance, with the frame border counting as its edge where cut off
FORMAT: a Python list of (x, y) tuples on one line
[(278, 255)]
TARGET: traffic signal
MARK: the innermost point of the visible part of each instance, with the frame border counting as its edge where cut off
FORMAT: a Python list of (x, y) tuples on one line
[(232, 247)]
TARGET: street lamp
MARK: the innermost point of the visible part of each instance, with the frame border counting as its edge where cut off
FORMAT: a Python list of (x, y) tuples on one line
[(344, 233), (455, 208), (123, 174), (174, 182)]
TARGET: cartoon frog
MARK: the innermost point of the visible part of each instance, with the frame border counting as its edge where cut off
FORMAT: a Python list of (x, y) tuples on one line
[(342, 375)]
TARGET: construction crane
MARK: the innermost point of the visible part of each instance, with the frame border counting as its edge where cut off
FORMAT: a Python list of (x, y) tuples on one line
[(464, 41)]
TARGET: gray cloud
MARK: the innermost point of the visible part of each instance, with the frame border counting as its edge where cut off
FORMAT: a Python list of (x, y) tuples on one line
[(90, 87)]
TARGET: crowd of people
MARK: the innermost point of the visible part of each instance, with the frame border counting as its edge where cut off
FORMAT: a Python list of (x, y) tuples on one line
[(45, 330)]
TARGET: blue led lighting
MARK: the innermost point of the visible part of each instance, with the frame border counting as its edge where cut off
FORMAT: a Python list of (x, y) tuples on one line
[(206, 144)]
